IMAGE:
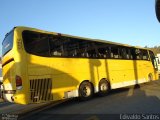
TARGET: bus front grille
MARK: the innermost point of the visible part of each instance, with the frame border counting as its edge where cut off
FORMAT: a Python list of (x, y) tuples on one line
[(40, 90)]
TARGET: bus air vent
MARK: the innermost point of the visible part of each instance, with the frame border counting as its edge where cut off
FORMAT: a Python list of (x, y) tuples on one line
[(40, 90)]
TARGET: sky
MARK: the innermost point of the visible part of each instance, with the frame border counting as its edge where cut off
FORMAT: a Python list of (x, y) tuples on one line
[(130, 22)]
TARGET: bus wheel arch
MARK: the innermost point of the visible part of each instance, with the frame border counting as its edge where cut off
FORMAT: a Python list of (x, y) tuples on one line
[(86, 90), (104, 87)]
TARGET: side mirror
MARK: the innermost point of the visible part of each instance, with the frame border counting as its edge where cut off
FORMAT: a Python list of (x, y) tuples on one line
[(155, 64)]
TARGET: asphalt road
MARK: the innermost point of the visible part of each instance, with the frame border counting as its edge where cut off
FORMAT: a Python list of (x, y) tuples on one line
[(143, 99)]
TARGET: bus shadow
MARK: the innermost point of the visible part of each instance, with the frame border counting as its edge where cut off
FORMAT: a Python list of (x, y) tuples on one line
[(117, 102)]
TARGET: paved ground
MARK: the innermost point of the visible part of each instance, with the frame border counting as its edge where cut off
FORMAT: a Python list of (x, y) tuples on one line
[(142, 99)]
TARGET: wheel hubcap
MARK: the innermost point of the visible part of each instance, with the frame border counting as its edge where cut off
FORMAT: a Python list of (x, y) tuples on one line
[(103, 87), (86, 91)]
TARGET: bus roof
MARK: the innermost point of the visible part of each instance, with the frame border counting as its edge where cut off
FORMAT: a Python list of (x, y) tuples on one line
[(72, 36)]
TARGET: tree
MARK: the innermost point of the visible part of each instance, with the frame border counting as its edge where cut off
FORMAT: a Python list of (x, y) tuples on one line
[(155, 49)]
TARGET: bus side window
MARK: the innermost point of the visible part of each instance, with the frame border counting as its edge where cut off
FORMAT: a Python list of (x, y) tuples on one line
[(133, 53), (153, 59), (128, 55), (71, 48), (36, 43), (83, 49), (145, 55), (111, 54), (56, 47), (114, 52), (103, 51), (136, 53), (91, 49), (125, 53), (122, 53)]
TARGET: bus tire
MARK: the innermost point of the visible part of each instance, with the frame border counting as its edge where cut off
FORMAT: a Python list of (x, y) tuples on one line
[(104, 87), (85, 90)]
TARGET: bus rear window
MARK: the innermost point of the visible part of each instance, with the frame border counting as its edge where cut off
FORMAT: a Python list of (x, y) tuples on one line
[(7, 43)]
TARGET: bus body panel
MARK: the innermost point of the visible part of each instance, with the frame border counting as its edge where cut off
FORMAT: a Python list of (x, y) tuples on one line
[(13, 63), (8, 68), (68, 73)]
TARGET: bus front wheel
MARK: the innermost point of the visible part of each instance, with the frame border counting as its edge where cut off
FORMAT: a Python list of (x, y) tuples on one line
[(85, 90), (104, 87)]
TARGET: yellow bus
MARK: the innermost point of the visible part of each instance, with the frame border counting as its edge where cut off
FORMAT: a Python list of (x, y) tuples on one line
[(41, 66)]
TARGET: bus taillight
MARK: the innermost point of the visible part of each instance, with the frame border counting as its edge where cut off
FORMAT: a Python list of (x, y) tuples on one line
[(18, 82)]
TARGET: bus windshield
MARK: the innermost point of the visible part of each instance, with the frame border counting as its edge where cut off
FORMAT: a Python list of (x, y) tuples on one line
[(7, 43), (0, 72)]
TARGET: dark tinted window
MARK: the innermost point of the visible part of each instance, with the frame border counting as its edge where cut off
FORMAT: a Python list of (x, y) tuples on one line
[(128, 54), (135, 54), (7, 43), (36, 43), (70, 47), (0, 72), (88, 49), (74, 47), (103, 50), (139, 54), (124, 53), (115, 52), (144, 54), (56, 45), (152, 57), (61, 46)]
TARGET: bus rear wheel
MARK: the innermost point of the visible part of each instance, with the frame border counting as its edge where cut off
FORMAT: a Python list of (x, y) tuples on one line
[(104, 87), (85, 90)]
